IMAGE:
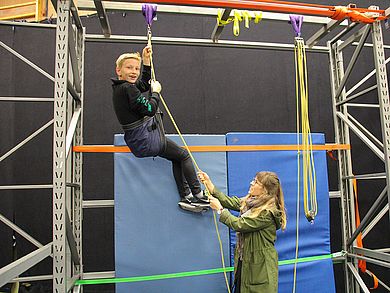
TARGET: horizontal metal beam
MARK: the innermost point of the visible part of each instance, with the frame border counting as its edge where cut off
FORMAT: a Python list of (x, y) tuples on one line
[(31, 278), (367, 176), (99, 275), (334, 194), (30, 24), (356, 105), (19, 187), (370, 260), (200, 43), (106, 203), (372, 253), (26, 99), (21, 265)]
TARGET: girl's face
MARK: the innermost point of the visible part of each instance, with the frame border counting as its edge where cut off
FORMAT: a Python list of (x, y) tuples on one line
[(256, 188), (130, 70)]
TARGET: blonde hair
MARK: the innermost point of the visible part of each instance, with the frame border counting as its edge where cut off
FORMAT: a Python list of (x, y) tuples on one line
[(125, 56), (273, 198)]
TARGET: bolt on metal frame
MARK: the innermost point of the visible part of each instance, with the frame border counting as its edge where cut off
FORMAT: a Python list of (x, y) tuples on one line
[(66, 248)]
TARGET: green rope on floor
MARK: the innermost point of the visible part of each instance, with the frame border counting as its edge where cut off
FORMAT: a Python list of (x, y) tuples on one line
[(192, 273)]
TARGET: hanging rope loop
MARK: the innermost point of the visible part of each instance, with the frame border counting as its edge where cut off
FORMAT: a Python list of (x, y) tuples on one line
[(304, 138)]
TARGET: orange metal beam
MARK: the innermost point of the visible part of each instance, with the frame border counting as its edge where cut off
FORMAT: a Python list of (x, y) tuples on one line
[(271, 5), (214, 148)]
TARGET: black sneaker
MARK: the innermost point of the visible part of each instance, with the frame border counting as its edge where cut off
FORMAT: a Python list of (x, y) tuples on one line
[(201, 197), (193, 207)]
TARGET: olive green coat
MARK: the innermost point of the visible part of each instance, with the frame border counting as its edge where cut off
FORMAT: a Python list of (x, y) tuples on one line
[(260, 260)]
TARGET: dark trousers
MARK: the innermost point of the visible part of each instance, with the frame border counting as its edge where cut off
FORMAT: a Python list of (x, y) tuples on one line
[(183, 169), (237, 278)]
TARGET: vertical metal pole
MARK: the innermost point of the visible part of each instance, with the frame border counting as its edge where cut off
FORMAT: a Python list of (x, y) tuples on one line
[(344, 156), (60, 269), (77, 157), (383, 95)]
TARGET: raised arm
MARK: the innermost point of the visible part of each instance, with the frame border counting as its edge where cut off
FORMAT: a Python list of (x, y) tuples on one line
[(246, 223), (232, 203)]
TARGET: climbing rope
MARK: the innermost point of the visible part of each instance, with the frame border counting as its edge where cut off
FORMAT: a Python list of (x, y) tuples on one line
[(304, 139), (153, 76)]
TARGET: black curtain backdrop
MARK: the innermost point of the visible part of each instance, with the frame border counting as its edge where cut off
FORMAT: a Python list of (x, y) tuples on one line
[(208, 90)]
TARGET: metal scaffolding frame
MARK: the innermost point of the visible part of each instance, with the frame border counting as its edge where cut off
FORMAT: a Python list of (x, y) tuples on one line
[(68, 204)]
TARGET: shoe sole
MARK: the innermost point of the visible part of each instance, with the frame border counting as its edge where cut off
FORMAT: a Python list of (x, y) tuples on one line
[(196, 208)]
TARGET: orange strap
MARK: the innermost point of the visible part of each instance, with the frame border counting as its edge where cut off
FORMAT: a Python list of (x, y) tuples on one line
[(361, 263), (342, 12), (213, 148), (375, 279), (359, 240)]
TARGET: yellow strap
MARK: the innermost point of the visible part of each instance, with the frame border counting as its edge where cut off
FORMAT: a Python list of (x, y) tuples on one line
[(237, 17), (247, 17)]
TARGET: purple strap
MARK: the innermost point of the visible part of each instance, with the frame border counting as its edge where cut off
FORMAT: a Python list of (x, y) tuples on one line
[(149, 12), (296, 22)]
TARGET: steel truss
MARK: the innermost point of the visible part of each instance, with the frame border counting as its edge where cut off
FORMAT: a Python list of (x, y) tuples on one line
[(345, 124), (68, 204)]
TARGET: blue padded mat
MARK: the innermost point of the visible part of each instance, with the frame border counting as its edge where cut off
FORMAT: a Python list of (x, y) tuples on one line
[(313, 238), (153, 235)]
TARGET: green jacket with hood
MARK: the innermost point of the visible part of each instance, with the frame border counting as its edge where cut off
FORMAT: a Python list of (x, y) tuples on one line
[(260, 259)]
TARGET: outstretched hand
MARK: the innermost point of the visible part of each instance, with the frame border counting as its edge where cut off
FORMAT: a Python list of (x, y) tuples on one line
[(155, 86), (205, 179), (203, 176), (214, 203), (146, 52)]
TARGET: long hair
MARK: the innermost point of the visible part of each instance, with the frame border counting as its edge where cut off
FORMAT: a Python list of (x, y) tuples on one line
[(272, 199)]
